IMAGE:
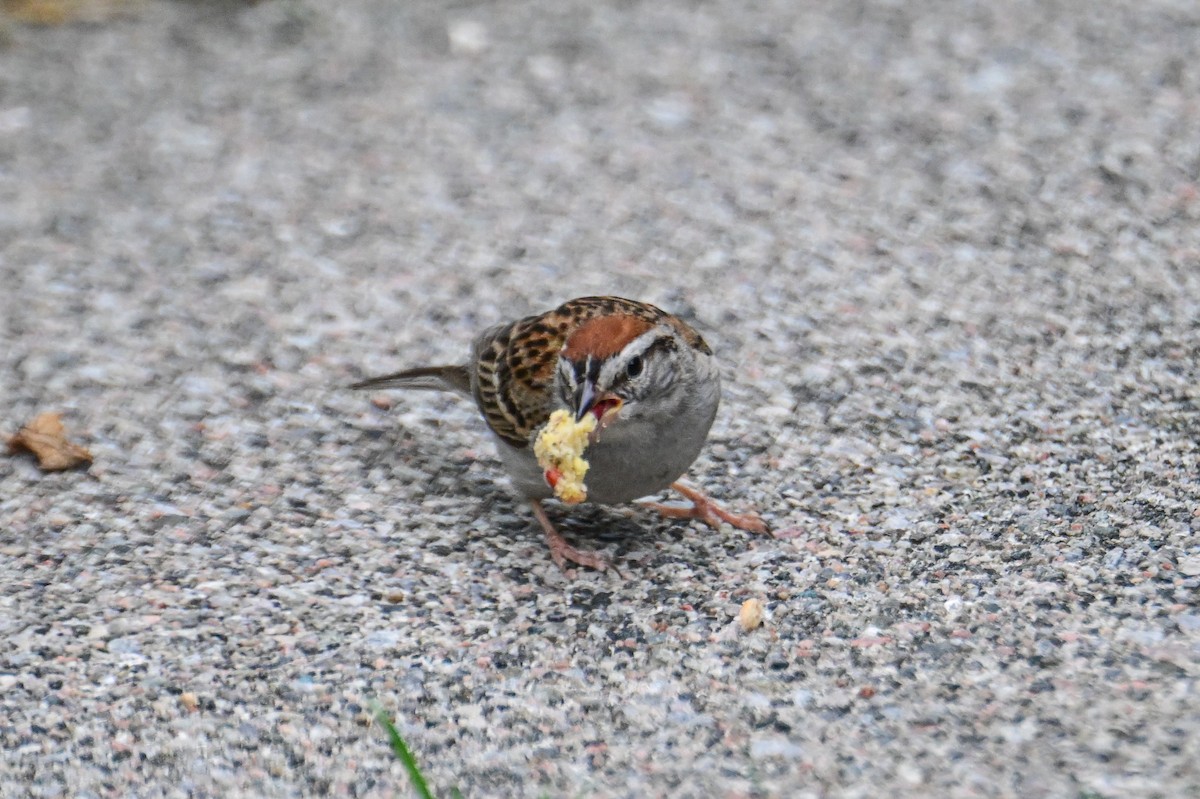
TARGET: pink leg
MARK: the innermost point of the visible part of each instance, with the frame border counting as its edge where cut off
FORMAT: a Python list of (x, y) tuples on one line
[(709, 512), (560, 550)]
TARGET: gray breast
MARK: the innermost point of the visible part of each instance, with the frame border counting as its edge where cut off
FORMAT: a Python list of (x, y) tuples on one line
[(636, 456)]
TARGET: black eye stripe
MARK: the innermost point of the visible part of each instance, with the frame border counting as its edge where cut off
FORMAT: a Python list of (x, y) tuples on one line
[(587, 369), (590, 367), (659, 345)]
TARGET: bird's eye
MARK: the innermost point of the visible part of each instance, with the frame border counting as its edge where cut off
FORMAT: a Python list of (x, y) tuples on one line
[(634, 367)]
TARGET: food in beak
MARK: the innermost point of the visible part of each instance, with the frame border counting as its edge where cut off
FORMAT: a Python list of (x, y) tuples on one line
[(559, 450), (605, 412)]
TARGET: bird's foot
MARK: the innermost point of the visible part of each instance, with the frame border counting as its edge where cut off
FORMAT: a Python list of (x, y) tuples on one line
[(562, 552), (709, 512)]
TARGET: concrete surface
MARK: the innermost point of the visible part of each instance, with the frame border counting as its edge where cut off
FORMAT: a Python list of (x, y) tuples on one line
[(949, 255)]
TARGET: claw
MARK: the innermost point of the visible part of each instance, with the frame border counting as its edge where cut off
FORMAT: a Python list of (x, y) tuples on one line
[(561, 552), (709, 512)]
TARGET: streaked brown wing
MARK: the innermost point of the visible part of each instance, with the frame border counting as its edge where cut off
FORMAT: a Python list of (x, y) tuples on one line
[(515, 371)]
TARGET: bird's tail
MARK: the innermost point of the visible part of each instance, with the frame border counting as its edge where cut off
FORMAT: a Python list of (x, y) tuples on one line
[(424, 378)]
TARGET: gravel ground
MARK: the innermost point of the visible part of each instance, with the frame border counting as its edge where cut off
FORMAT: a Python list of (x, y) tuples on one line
[(949, 256)]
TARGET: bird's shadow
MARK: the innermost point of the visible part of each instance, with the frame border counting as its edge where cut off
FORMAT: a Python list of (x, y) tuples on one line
[(483, 481), (596, 523), (618, 532)]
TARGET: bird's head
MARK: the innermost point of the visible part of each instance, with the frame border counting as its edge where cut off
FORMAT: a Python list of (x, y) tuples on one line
[(621, 367)]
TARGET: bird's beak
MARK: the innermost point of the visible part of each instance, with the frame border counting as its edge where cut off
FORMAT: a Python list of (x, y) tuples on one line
[(585, 398), (603, 404)]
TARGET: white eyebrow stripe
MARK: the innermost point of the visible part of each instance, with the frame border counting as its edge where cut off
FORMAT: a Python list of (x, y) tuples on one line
[(614, 366)]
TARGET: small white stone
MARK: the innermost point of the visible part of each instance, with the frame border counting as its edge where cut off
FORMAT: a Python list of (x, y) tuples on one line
[(467, 37), (763, 748)]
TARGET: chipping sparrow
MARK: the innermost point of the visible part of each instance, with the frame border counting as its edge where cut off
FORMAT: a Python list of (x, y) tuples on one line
[(648, 377)]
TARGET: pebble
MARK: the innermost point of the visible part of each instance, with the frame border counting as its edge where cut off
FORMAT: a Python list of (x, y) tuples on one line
[(1190, 566)]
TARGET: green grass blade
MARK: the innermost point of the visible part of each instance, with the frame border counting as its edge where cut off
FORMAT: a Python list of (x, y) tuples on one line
[(402, 751)]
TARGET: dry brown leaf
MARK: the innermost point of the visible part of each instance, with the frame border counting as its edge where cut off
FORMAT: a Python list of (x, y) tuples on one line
[(46, 438), (59, 12)]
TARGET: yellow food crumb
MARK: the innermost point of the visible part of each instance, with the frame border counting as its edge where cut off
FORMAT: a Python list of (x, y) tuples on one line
[(751, 615), (559, 450)]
